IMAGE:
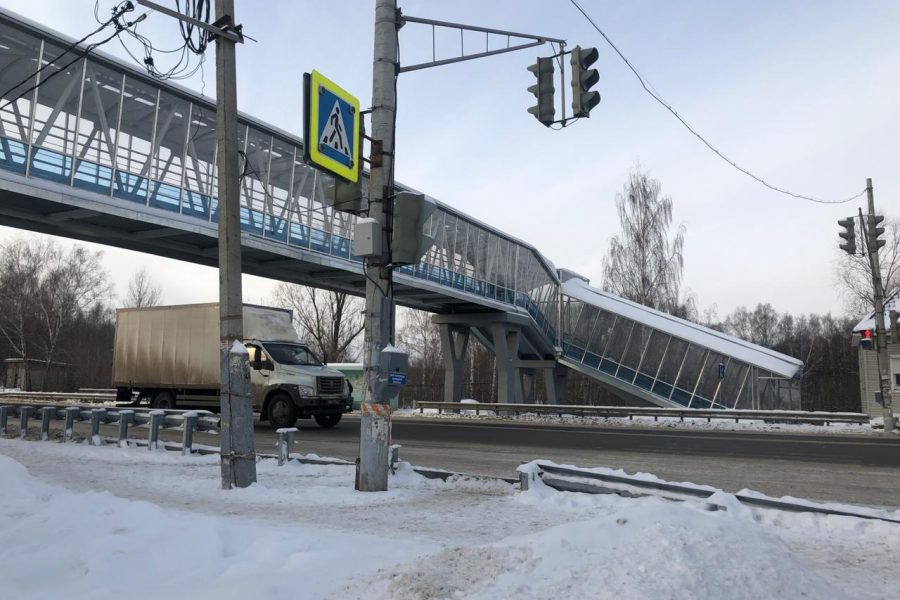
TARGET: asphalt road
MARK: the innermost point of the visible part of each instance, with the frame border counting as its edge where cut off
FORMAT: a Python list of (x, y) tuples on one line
[(861, 469)]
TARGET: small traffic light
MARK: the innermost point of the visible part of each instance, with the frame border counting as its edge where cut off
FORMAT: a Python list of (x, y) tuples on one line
[(408, 242), (867, 339), (849, 245), (544, 111), (583, 78), (875, 232)]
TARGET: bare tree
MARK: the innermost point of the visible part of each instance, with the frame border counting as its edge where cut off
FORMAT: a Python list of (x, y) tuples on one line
[(644, 264), (142, 291), (71, 284), (329, 322), (422, 339), (21, 262), (854, 277)]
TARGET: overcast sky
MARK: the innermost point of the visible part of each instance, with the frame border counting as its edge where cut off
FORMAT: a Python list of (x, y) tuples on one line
[(804, 93)]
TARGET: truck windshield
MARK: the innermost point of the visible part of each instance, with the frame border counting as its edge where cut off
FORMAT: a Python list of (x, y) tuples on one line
[(291, 354)]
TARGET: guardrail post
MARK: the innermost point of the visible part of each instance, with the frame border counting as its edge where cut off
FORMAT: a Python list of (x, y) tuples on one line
[(4, 418), (98, 415), (72, 413), (524, 479), (24, 413), (285, 441), (47, 414), (125, 417), (156, 418), (187, 434)]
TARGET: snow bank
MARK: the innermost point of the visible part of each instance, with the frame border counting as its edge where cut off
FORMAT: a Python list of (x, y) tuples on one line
[(644, 421), (169, 531)]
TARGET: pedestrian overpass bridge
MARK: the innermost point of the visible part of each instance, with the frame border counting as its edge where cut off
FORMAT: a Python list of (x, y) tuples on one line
[(104, 153)]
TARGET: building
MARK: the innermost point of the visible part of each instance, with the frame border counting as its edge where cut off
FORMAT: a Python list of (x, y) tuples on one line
[(868, 358), (35, 377)]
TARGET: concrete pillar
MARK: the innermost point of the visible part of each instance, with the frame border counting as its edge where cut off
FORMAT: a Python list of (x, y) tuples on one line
[(506, 350), (555, 381), (527, 381), (454, 343)]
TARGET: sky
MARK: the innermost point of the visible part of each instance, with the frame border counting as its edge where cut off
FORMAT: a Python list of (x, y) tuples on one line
[(803, 93)]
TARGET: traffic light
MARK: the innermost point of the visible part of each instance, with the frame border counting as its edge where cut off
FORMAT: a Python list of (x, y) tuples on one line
[(583, 78), (408, 242), (875, 232), (544, 111), (867, 339), (849, 245)]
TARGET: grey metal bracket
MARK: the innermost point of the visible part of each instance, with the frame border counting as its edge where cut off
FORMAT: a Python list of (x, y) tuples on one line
[(536, 40)]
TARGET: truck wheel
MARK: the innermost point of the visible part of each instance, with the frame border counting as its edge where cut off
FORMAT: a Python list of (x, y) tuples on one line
[(328, 421), (163, 400), (282, 411)]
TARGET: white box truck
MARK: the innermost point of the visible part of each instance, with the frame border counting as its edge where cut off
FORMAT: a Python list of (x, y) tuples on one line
[(169, 356)]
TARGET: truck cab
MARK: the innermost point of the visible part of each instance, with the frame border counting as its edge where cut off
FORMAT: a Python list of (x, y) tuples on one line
[(288, 382)]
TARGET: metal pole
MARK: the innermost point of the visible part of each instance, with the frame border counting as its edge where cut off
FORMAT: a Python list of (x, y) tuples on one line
[(375, 425), (238, 456), (881, 355)]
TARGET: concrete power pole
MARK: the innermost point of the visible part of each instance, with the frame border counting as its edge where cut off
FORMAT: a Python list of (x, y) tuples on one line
[(238, 454), (375, 428), (884, 370)]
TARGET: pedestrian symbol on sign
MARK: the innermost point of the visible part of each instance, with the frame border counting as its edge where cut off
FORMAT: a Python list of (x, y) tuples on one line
[(334, 135)]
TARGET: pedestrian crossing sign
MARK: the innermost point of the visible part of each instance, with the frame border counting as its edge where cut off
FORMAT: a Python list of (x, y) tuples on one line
[(331, 127)]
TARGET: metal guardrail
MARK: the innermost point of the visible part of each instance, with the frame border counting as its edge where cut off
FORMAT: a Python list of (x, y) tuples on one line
[(187, 420), (816, 418), (568, 479), (87, 397)]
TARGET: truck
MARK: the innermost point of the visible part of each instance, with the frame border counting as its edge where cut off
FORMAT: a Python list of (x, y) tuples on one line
[(168, 356)]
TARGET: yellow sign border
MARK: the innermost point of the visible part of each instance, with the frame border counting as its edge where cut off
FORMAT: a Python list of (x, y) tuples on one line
[(349, 173)]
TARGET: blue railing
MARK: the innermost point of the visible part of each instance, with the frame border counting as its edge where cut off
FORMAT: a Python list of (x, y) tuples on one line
[(56, 166)]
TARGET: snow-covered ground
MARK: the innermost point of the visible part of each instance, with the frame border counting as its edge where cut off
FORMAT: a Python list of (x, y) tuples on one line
[(643, 421), (105, 522)]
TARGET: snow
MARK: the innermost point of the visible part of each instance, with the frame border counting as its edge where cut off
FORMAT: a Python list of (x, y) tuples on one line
[(705, 337), (642, 421), (78, 521)]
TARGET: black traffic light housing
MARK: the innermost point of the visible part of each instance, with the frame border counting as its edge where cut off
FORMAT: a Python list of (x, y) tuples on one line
[(849, 235), (875, 231), (583, 79), (545, 109)]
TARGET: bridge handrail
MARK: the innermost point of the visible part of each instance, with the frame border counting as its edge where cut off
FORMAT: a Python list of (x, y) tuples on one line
[(794, 416)]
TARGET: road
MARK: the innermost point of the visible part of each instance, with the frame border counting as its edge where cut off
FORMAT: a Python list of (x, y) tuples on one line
[(860, 469)]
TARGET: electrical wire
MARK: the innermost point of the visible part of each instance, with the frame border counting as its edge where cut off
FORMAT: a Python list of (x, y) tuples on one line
[(120, 27), (118, 11), (199, 10), (651, 91)]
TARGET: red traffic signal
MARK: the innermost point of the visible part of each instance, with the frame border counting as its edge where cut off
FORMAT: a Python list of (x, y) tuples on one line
[(867, 339)]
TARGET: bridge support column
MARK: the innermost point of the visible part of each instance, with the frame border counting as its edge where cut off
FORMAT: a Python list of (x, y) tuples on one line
[(527, 383), (555, 380), (506, 351), (454, 343)]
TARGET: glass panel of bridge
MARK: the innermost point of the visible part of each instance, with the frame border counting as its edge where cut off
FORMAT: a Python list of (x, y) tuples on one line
[(709, 381), (18, 62), (618, 341), (731, 384), (640, 335), (320, 215), (584, 316), (279, 184), (168, 154), (55, 114), (599, 335), (134, 140), (97, 128), (201, 163), (690, 373), (253, 180), (301, 197), (463, 266), (668, 370), (653, 355)]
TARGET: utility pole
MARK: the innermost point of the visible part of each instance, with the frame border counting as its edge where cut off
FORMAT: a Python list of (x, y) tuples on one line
[(375, 427), (884, 374), (238, 457)]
